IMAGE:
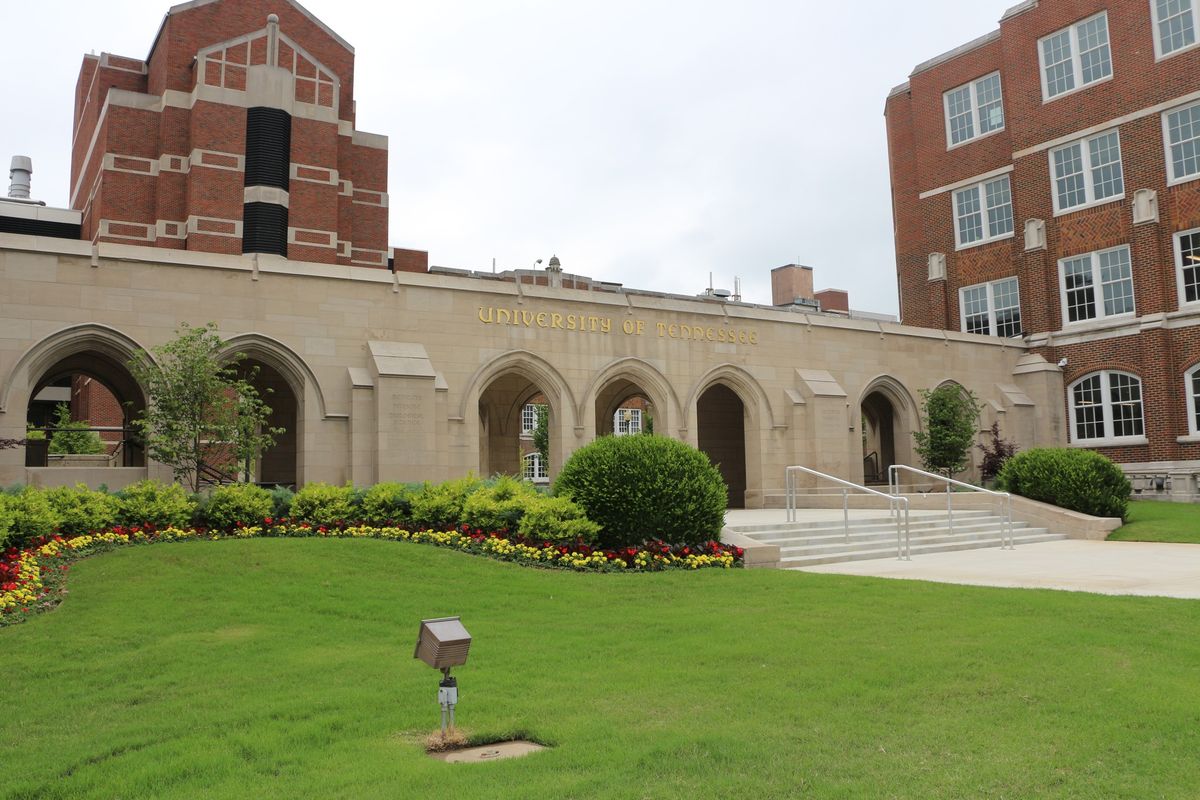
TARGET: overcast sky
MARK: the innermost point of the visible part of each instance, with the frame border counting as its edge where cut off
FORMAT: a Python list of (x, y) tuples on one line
[(645, 142)]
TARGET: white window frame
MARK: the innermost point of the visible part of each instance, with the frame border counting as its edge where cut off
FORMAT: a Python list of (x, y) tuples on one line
[(1076, 61), (1193, 429), (525, 418), (1089, 181), (1159, 55), (1097, 286), (538, 473), (1180, 287), (635, 422), (981, 188), (972, 87), (1172, 178), (991, 301), (1108, 439)]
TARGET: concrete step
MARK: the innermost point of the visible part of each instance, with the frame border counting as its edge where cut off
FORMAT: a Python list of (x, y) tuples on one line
[(836, 544), (783, 532), (867, 554), (882, 519)]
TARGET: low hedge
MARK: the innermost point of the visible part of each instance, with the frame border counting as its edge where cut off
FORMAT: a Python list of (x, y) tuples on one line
[(1079, 480)]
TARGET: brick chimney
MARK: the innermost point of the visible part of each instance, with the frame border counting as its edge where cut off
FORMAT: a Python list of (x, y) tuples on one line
[(789, 282)]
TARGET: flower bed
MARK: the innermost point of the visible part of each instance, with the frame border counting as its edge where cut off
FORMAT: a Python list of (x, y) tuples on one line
[(34, 579)]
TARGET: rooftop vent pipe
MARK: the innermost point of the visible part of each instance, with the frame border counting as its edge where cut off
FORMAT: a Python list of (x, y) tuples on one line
[(19, 173)]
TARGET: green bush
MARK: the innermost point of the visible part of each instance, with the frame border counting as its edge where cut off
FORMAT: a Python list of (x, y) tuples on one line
[(440, 505), (324, 504), (161, 504), (73, 436), (281, 501), (1080, 480), (500, 506), (237, 502), (387, 503), (557, 520), (82, 510), (646, 487), (6, 521), (32, 516)]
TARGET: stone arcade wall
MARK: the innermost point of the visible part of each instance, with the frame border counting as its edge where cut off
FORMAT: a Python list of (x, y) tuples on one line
[(418, 376)]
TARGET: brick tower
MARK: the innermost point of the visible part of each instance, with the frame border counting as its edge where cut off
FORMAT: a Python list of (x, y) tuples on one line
[(235, 135)]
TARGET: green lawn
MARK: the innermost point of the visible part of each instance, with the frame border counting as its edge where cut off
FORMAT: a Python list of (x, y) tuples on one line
[(282, 668), (1154, 521)]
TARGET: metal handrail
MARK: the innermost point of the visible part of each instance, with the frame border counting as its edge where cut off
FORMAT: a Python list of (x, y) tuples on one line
[(903, 549), (1006, 526)]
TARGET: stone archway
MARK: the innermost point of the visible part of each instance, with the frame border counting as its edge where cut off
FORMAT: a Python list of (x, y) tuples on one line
[(277, 465), (888, 416), (505, 426), (97, 388), (721, 434), (622, 407)]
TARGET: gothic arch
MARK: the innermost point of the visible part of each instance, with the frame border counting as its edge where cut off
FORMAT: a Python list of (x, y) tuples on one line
[(645, 375), (743, 384), (65, 343), (281, 358), (534, 368)]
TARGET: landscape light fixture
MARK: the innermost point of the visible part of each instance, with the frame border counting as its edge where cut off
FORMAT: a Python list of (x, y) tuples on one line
[(443, 643)]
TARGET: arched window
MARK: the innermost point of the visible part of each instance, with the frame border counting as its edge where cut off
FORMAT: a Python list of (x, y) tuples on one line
[(535, 468), (1106, 407), (1191, 388)]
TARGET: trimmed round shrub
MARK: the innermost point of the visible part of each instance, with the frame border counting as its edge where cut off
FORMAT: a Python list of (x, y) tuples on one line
[(82, 510), (162, 505), (557, 520), (500, 506), (646, 487), (237, 502), (32, 516), (439, 506), (387, 503), (324, 504), (1079, 480)]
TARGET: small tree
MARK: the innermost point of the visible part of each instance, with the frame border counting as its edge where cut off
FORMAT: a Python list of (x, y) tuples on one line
[(995, 453), (201, 412), (541, 435), (951, 414)]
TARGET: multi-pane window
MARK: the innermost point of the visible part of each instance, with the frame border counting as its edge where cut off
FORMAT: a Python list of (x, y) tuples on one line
[(627, 421), (1191, 386), (1097, 285), (1075, 56), (529, 418), (1088, 171), (975, 109), (1187, 259), (1182, 129), (534, 467), (1174, 25), (992, 308), (983, 212), (1106, 405)]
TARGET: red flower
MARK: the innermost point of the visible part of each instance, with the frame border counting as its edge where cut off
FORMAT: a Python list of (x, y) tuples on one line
[(268, 521), (739, 551)]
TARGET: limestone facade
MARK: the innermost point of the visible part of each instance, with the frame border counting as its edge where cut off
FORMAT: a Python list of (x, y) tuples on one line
[(414, 376)]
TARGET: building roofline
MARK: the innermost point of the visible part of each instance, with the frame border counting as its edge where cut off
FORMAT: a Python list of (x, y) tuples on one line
[(962, 49), (1019, 8), (188, 6), (901, 89)]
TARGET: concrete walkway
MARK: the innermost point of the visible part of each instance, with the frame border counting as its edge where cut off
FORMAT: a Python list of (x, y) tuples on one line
[(1132, 568)]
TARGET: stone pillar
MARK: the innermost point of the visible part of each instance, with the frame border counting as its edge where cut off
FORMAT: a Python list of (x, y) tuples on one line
[(405, 401)]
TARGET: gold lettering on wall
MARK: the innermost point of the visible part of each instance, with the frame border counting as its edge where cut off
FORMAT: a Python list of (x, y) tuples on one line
[(591, 323)]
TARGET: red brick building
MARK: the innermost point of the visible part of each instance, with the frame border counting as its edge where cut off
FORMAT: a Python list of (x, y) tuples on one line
[(236, 134), (1046, 185)]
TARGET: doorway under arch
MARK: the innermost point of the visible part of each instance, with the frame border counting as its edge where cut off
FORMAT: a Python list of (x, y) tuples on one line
[(888, 415), (277, 465), (98, 389), (623, 407), (721, 434), (507, 417)]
